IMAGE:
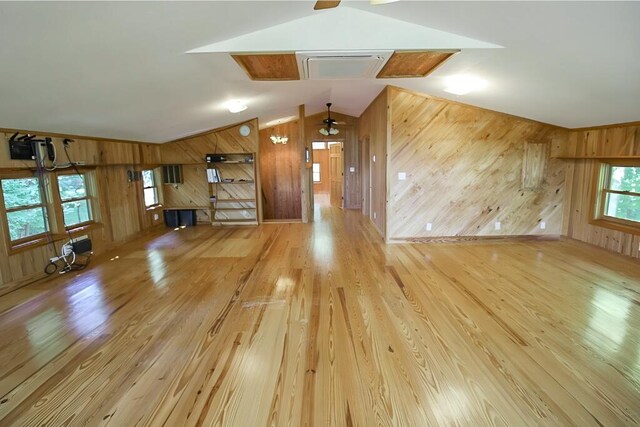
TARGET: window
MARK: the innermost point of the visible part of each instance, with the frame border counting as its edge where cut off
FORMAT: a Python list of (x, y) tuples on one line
[(620, 197), (76, 206), (150, 189), (26, 213), (316, 172)]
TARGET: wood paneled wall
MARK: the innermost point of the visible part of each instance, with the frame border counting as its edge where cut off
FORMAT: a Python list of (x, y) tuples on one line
[(280, 172), (464, 168), (120, 213), (352, 192), (621, 142), (322, 157), (374, 131), (190, 152)]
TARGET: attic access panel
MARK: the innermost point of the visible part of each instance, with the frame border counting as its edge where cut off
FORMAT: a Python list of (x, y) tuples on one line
[(268, 66), (406, 64)]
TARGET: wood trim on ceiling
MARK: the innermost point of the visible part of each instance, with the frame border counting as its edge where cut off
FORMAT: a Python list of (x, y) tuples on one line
[(269, 66), (71, 136), (612, 125), (415, 63)]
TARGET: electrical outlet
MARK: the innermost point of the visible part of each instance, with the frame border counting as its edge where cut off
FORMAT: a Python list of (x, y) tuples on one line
[(429, 226), (352, 169), (402, 176), (155, 217), (375, 215), (543, 225), (498, 225)]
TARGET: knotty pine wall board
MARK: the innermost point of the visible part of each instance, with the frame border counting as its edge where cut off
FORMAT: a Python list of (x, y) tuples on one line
[(120, 212), (617, 141), (463, 169)]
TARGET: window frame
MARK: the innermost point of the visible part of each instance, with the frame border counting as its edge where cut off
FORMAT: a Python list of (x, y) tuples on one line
[(5, 211), (88, 197), (601, 184), (313, 173), (154, 186)]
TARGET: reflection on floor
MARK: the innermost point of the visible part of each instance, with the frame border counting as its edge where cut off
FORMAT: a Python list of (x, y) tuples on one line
[(322, 324)]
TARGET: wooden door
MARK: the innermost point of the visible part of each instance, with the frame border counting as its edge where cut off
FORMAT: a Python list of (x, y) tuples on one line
[(336, 166), (366, 176)]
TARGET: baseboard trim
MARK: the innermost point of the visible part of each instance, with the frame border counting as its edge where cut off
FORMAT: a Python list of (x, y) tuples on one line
[(479, 239)]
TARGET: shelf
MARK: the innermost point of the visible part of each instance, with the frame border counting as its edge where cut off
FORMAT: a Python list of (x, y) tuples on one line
[(234, 220), (230, 162), (595, 157), (244, 166), (235, 200), (234, 209)]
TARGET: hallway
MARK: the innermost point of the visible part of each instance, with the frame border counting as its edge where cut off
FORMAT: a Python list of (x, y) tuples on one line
[(322, 324)]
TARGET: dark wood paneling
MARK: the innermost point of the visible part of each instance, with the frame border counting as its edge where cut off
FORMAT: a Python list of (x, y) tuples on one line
[(280, 173), (374, 127)]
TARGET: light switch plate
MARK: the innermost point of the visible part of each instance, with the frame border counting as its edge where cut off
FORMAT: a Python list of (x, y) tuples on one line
[(543, 225), (352, 169), (498, 225), (402, 176), (429, 226)]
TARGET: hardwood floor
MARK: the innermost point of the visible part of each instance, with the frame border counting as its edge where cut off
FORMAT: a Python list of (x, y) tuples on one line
[(322, 324)]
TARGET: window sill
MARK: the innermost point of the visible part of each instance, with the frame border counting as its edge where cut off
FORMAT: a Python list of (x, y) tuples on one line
[(43, 240), (615, 225)]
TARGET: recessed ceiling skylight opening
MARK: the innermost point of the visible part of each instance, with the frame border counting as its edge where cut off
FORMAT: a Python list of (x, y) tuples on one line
[(461, 84)]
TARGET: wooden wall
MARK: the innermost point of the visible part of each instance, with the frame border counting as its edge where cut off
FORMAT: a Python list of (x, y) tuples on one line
[(322, 157), (280, 172), (120, 214), (584, 152), (352, 192), (190, 152), (464, 171), (374, 130)]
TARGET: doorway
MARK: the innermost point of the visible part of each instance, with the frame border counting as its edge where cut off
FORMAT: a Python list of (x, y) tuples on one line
[(328, 173)]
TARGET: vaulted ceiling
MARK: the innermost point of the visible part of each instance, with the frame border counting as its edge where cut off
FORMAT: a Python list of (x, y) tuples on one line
[(122, 70)]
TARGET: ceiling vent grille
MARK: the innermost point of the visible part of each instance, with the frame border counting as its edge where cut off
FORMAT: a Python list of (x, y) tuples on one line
[(341, 64)]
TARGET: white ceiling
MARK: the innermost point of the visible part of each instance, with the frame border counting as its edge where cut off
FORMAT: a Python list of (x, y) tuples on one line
[(120, 70)]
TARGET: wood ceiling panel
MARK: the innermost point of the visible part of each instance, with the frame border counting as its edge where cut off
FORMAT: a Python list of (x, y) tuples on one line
[(269, 66), (326, 4), (414, 63)]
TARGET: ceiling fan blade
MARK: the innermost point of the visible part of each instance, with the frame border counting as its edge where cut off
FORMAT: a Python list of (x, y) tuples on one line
[(326, 4)]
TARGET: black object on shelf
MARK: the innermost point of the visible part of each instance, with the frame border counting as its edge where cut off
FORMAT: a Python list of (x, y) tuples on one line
[(180, 217), (213, 158)]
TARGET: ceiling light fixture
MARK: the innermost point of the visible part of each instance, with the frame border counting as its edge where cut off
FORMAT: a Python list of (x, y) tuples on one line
[(329, 131), (277, 139), (461, 84), (235, 106)]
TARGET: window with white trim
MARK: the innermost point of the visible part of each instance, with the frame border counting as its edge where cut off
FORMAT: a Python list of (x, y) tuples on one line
[(619, 199), (150, 189), (25, 208), (316, 172), (76, 204)]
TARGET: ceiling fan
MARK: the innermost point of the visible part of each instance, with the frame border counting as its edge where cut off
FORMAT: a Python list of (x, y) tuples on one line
[(329, 124), (331, 4)]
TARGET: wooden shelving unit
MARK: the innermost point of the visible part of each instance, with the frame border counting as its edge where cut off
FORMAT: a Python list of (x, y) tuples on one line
[(234, 201)]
